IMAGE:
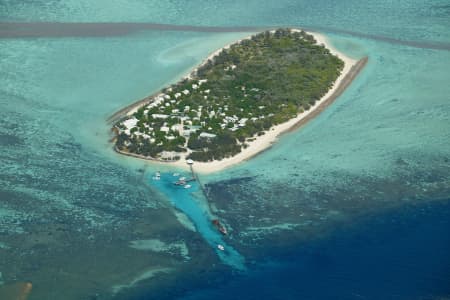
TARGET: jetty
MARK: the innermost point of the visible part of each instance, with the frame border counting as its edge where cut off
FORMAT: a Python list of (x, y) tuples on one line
[(214, 221), (202, 187)]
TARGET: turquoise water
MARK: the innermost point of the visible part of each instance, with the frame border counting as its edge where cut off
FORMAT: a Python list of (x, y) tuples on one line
[(192, 202), (380, 146), (409, 119), (407, 19)]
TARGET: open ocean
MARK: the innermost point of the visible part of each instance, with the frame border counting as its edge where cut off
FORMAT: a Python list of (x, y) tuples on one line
[(354, 205)]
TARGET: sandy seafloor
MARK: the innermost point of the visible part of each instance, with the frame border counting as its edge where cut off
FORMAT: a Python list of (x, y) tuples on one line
[(355, 205)]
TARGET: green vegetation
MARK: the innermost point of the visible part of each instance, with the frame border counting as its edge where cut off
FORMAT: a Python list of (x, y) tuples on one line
[(233, 98)]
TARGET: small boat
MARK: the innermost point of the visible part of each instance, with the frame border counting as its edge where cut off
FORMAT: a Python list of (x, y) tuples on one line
[(157, 176), (187, 186), (221, 247), (180, 182), (176, 174), (182, 178), (220, 227), (223, 230)]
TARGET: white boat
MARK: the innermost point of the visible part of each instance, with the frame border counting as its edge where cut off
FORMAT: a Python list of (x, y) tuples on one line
[(176, 174), (180, 182), (220, 247), (187, 186), (157, 176), (182, 178)]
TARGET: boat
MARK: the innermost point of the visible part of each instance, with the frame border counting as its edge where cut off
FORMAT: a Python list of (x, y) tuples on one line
[(182, 178), (221, 247), (180, 182), (157, 176), (220, 227), (187, 186), (176, 174)]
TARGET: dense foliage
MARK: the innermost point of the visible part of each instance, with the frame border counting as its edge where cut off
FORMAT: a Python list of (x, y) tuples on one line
[(262, 81)]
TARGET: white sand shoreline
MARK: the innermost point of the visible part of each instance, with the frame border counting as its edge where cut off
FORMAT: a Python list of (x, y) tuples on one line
[(263, 142)]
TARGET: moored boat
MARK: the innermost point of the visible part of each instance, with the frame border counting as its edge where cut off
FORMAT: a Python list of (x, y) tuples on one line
[(220, 227)]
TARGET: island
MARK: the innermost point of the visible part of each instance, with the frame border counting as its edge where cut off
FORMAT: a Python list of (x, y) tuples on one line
[(236, 103)]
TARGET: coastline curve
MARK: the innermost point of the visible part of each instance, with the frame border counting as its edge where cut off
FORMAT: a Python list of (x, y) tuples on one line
[(351, 69)]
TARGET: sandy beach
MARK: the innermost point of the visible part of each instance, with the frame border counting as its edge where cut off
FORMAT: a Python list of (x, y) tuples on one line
[(261, 143)]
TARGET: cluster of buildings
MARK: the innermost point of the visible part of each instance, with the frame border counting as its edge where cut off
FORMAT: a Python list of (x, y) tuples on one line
[(174, 114)]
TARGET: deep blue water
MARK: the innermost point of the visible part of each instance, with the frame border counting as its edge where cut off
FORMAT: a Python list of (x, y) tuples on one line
[(403, 254)]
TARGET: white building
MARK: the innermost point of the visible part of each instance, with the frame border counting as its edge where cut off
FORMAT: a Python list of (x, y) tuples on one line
[(130, 123), (159, 116), (243, 121), (231, 119), (176, 127), (207, 135)]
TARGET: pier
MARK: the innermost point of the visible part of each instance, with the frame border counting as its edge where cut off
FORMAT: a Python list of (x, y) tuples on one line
[(196, 178), (202, 188)]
